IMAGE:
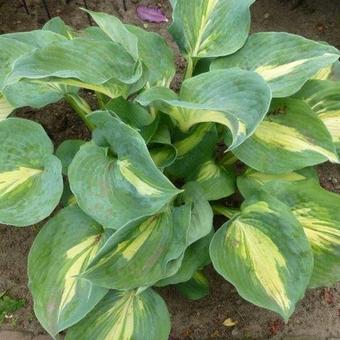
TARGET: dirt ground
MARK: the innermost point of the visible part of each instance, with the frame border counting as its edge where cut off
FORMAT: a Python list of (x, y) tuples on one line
[(317, 315)]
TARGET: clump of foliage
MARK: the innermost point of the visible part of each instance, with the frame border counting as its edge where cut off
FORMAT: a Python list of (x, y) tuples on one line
[(140, 196), (9, 305)]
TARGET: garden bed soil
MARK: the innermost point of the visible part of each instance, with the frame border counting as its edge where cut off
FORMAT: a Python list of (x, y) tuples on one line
[(317, 316)]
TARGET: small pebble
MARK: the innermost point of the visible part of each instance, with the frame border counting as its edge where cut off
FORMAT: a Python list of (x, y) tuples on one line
[(235, 332), (267, 15)]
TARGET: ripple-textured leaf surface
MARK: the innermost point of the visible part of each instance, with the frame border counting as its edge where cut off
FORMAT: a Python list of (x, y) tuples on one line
[(264, 253), (60, 252), (286, 61), (30, 176)]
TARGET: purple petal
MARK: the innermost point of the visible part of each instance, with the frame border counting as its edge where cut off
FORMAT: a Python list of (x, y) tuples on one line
[(151, 14)]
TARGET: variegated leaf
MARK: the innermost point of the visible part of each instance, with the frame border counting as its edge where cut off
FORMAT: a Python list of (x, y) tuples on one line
[(235, 98), (324, 98), (215, 181), (286, 61), (291, 137), (83, 63), (125, 315), (252, 181), (30, 176), (151, 46), (60, 252), (119, 173), (264, 253), (318, 212), (210, 28), (143, 252), (194, 149), (28, 93)]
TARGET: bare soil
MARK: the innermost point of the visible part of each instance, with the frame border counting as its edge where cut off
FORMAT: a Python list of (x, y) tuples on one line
[(317, 315)]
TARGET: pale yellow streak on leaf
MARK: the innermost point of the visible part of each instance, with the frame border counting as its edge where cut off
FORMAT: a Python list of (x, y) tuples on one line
[(271, 72), (124, 325), (263, 178), (141, 186), (322, 234), (266, 260), (80, 252), (324, 73), (186, 145), (261, 207), (211, 4), (332, 121), (289, 139), (10, 180), (208, 170), (128, 249), (5, 108)]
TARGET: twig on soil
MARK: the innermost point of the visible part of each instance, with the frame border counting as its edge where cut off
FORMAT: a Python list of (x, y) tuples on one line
[(25, 6), (46, 9), (124, 5), (88, 15)]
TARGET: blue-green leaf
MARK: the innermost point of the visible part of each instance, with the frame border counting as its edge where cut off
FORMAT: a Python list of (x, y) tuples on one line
[(323, 96), (235, 98), (291, 137), (143, 252), (265, 254), (125, 315), (318, 212), (60, 252), (286, 61), (118, 174), (210, 28), (31, 183)]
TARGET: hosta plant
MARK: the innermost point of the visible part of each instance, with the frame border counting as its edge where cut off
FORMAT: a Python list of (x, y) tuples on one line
[(253, 115)]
